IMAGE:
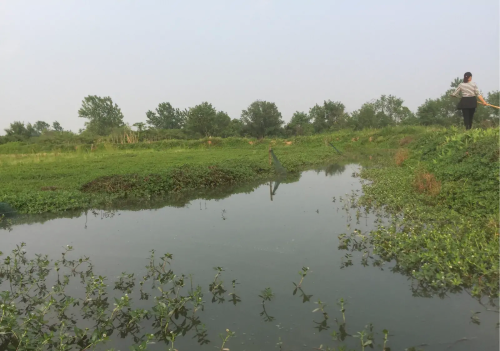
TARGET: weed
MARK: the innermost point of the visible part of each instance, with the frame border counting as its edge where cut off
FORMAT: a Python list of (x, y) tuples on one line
[(426, 183), (401, 156), (405, 141)]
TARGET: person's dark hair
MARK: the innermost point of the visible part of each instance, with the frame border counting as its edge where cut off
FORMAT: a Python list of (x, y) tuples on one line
[(467, 75)]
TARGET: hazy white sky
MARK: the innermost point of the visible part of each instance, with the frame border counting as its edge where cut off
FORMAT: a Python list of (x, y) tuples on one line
[(230, 53)]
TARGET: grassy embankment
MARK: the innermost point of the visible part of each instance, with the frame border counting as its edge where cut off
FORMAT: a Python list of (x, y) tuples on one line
[(443, 192), (71, 178)]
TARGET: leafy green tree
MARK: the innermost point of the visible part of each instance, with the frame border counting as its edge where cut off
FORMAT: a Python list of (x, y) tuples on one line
[(300, 124), (486, 114), (456, 82), (17, 129), (221, 123), (40, 127), (102, 114), (166, 117), (493, 98), (393, 108), (386, 111), (262, 118), (233, 129), (330, 114), (57, 126), (202, 119), (441, 111), (140, 126)]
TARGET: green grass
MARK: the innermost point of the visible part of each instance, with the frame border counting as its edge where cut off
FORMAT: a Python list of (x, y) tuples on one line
[(78, 179)]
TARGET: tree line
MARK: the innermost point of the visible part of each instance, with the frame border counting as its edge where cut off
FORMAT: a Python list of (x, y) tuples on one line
[(260, 119)]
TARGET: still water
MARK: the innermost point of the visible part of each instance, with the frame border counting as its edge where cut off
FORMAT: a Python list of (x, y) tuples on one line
[(262, 239)]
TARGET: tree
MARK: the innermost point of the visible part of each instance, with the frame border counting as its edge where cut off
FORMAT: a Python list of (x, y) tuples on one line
[(262, 118), (233, 129), (441, 111), (300, 124), (57, 126), (166, 117), (17, 129), (387, 110), (102, 114), (40, 127), (202, 119), (328, 115), (456, 82), (221, 123), (393, 108), (140, 126)]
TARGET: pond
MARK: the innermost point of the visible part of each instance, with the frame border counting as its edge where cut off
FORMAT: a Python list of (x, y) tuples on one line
[(263, 239)]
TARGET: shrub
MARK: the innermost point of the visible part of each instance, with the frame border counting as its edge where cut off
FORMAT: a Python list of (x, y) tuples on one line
[(426, 183)]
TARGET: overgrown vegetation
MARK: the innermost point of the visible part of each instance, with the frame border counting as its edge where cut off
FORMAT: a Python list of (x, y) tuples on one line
[(64, 305), (444, 201), (86, 178), (439, 187)]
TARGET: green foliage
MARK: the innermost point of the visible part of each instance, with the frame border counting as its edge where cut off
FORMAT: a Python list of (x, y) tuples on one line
[(20, 131), (330, 115), (205, 120), (386, 111), (166, 117), (40, 127), (261, 119), (63, 304), (447, 241), (300, 124), (442, 111), (56, 126), (233, 129), (66, 168), (102, 114)]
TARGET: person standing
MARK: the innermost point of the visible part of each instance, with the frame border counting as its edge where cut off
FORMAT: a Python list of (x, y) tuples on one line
[(468, 102)]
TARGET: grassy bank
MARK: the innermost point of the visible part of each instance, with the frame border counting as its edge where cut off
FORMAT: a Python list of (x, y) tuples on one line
[(80, 178), (443, 193)]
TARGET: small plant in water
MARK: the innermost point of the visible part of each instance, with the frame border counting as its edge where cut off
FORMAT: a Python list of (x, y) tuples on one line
[(302, 274), (225, 338), (266, 295)]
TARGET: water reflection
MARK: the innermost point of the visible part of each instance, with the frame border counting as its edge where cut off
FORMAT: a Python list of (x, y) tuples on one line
[(260, 244), (334, 169)]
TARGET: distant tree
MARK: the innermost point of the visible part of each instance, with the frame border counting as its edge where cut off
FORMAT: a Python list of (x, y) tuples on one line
[(441, 111), (221, 123), (327, 116), (485, 113), (40, 127), (233, 129), (102, 114), (140, 126), (261, 119), (393, 108), (57, 126), (456, 82), (17, 129), (386, 111), (201, 119), (493, 98), (166, 117), (300, 124)]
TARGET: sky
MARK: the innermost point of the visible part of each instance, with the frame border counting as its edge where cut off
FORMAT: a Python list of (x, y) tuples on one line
[(231, 53)]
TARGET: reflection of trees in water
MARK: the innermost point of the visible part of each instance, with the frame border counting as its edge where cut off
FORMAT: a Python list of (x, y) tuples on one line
[(334, 169)]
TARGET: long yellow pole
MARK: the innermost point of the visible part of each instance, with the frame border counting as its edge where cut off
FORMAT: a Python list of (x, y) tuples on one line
[(493, 106), (489, 105)]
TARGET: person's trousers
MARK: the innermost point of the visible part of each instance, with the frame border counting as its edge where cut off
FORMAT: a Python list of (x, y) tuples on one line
[(468, 115)]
